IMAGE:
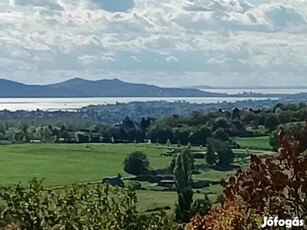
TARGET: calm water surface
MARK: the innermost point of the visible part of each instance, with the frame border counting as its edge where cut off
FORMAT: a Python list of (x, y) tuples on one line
[(264, 91), (14, 104)]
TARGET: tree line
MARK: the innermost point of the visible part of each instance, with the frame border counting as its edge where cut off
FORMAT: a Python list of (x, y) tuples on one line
[(194, 129)]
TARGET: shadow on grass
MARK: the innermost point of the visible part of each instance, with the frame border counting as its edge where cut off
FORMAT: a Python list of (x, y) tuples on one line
[(222, 168), (225, 167)]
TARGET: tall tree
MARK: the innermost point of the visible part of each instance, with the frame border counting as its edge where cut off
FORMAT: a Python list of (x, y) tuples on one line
[(211, 158), (183, 183)]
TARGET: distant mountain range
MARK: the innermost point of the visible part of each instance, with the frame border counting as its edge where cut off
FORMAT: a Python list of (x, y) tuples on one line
[(244, 87), (78, 87)]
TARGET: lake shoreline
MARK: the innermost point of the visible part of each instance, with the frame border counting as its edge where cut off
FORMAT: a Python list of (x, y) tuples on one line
[(57, 104)]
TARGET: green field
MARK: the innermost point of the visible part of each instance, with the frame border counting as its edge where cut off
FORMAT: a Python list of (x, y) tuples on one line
[(66, 164), (256, 143), (63, 164)]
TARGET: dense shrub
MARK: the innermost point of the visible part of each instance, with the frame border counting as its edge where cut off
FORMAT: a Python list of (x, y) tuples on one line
[(219, 152), (78, 207), (231, 216), (136, 163)]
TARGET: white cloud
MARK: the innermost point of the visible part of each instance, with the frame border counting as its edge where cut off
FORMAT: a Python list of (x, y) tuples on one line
[(49, 4), (212, 37), (217, 5)]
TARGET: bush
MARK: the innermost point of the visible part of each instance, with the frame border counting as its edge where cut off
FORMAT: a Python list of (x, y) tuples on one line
[(78, 207), (224, 155), (231, 216), (201, 206), (136, 163), (135, 185)]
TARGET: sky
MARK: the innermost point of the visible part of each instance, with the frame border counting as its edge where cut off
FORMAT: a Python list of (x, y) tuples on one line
[(161, 42)]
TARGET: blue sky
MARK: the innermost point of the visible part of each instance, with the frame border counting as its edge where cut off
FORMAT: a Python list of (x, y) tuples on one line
[(165, 42)]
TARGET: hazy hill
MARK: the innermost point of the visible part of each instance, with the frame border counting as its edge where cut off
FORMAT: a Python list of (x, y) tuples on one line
[(78, 87)]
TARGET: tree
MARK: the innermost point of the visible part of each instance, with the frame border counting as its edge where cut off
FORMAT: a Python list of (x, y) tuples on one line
[(225, 154), (136, 163), (172, 165), (163, 133), (236, 114), (145, 123), (211, 157), (300, 132), (181, 134), (221, 135), (220, 122), (274, 140), (271, 122), (183, 183), (200, 136), (220, 152), (274, 185), (237, 128)]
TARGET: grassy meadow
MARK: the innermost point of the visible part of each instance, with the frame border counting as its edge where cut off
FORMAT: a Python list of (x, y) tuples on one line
[(66, 164), (256, 143), (63, 164)]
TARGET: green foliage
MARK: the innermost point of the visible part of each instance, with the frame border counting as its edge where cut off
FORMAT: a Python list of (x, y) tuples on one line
[(85, 207), (201, 206), (225, 155), (221, 134), (236, 114), (136, 163), (271, 122), (200, 136), (194, 128), (274, 140), (172, 165), (184, 182), (160, 132), (294, 127), (211, 158), (220, 123), (168, 142)]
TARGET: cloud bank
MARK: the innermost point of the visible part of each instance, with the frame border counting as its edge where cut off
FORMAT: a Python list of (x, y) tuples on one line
[(166, 42)]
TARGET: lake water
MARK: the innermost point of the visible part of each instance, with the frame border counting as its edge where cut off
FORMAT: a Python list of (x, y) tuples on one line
[(14, 104), (260, 90)]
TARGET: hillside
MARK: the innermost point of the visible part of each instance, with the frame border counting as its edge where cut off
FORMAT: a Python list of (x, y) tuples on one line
[(78, 87), (15, 89)]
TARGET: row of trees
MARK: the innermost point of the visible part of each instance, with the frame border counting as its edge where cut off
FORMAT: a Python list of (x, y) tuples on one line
[(195, 128)]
